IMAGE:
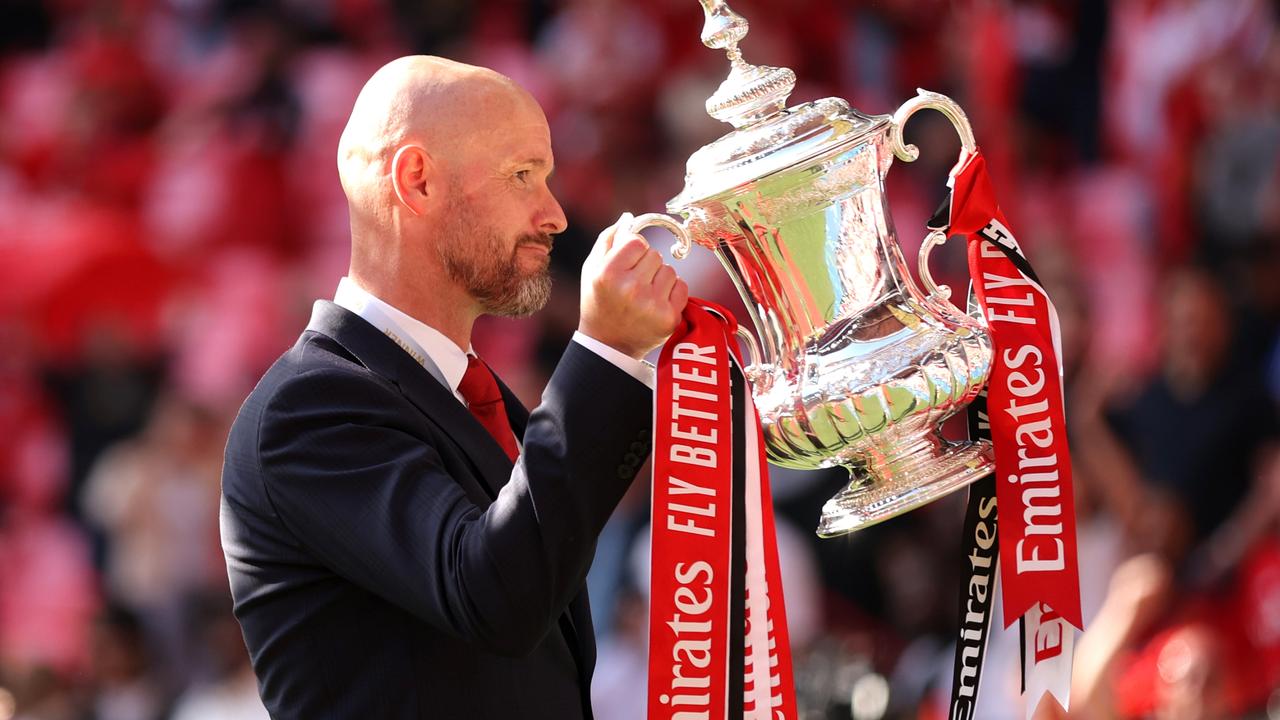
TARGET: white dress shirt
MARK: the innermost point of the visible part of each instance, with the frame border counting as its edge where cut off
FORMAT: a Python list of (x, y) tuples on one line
[(441, 356)]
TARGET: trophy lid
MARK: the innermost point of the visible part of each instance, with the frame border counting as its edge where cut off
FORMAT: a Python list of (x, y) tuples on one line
[(768, 136)]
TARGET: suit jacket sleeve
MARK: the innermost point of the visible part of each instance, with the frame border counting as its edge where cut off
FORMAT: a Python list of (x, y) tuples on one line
[(349, 473)]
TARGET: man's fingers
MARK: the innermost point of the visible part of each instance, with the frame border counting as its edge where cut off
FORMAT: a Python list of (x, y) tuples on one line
[(680, 294), (647, 267), (622, 225), (631, 299), (664, 280), (627, 252), (608, 237)]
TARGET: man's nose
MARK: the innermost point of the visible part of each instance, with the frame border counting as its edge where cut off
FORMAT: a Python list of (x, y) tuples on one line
[(552, 220)]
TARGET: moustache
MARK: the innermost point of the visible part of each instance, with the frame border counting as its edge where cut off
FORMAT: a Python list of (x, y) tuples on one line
[(540, 239)]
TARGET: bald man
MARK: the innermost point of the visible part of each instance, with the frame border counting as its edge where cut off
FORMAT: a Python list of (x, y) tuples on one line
[(403, 539)]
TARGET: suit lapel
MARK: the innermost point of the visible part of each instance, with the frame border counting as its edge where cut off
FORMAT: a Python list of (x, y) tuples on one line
[(382, 356)]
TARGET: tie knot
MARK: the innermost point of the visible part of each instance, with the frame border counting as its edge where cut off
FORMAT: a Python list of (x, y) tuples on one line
[(478, 385)]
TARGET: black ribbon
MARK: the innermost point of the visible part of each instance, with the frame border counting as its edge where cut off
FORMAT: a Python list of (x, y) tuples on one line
[(981, 552)]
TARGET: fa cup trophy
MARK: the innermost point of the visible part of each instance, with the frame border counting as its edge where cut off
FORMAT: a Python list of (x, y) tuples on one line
[(855, 365)]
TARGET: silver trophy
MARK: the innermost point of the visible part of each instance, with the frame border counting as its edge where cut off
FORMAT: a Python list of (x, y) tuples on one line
[(855, 366)]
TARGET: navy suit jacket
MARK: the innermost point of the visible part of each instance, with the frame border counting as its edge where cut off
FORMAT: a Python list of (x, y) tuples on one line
[(384, 559)]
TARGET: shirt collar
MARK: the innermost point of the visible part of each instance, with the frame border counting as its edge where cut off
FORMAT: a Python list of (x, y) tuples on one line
[(450, 359)]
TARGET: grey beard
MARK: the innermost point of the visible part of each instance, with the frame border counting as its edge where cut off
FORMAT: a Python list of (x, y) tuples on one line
[(528, 296), (499, 289)]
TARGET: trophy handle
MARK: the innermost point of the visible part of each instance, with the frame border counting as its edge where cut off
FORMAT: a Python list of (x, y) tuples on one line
[(909, 153), (679, 251), (934, 239), (933, 101), (684, 243)]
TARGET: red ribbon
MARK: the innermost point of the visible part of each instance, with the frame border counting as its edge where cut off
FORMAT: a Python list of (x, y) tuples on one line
[(1038, 561), (691, 629)]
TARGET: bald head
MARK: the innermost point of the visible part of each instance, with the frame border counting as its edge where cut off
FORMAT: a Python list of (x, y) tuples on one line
[(443, 106), (446, 170)]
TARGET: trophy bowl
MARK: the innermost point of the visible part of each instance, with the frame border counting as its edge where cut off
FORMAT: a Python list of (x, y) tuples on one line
[(854, 365)]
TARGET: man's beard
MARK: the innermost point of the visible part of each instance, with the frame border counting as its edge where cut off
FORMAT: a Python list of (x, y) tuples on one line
[(473, 257)]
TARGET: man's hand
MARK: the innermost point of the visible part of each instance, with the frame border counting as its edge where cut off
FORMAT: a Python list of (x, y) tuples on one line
[(631, 300)]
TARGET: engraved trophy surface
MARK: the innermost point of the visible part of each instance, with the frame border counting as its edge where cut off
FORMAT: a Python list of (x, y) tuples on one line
[(855, 365)]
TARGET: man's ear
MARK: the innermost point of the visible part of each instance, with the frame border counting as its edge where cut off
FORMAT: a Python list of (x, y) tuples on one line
[(413, 176)]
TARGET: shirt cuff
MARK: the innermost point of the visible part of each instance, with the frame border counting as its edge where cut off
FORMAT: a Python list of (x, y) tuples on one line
[(638, 369)]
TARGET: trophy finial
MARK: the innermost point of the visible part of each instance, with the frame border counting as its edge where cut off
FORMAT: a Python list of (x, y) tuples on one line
[(751, 92), (724, 28)]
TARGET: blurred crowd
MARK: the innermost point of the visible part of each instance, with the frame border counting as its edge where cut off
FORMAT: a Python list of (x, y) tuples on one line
[(169, 208)]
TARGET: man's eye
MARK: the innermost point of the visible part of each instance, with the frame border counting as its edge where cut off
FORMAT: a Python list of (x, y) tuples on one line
[(522, 175)]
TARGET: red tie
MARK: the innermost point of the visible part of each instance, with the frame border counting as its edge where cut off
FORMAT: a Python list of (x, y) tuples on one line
[(484, 400)]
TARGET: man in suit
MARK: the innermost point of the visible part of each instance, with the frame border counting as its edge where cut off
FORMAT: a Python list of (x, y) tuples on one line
[(403, 539)]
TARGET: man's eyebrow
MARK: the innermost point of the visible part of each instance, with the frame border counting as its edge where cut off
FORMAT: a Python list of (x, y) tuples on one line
[(538, 163)]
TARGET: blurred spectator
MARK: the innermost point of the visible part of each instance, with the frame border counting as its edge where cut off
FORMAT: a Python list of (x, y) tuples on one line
[(229, 690), (49, 587), (104, 399), (152, 497), (1138, 593), (618, 691), (124, 683), (1196, 429)]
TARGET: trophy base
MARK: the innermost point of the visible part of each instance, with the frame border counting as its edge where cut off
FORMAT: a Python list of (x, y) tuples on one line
[(889, 485)]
